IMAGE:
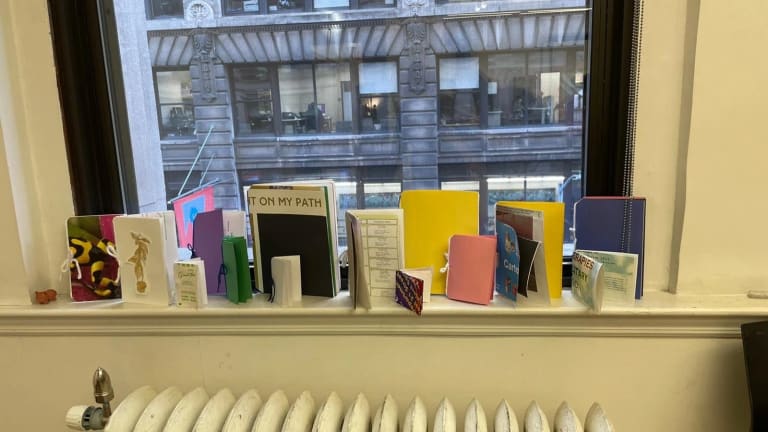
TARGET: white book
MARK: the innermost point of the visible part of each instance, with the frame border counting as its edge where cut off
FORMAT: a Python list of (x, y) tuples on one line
[(146, 249), (189, 282), (234, 223), (375, 250)]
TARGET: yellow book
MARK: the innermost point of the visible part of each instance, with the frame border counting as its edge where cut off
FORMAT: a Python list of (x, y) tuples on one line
[(554, 219), (430, 218)]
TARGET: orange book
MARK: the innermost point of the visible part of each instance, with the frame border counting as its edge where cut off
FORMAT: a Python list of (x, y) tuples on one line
[(471, 268)]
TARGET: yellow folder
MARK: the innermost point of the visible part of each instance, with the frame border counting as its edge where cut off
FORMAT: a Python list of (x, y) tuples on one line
[(430, 218), (554, 219)]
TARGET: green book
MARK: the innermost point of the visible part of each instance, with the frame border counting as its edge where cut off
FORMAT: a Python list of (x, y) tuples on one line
[(237, 273)]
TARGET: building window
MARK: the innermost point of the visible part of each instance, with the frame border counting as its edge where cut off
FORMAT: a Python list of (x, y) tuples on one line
[(239, 7), (365, 4), (174, 99), (276, 6), (379, 97), (459, 91), (165, 9), (315, 98), (252, 95)]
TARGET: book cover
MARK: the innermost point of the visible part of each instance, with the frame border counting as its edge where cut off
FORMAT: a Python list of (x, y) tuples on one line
[(619, 274), (208, 234), (186, 210), (236, 271), (508, 261), (553, 226), (533, 283), (92, 264), (587, 281), (294, 220), (409, 292), (613, 224), (375, 252), (142, 252), (189, 280), (431, 217), (471, 268)]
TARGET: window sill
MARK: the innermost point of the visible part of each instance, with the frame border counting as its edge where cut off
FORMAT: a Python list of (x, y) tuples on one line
[(659, 314)]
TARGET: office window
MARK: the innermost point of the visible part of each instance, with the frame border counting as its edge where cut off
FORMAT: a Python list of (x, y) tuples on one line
[(379, 97), (331, 4), (175, 108), (253, 99), (239, 7), (313, 98), (277, 6), (364, 4), (165, 8), (459, 91)]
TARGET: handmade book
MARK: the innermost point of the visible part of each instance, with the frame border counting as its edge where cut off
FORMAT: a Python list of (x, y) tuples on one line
[(508, 261), (409, 292), (587, 281), (236, 270), (471, 267), (206, 243), (424, 274), (294, 220), (613, 224), (146, 248), (554, 229), (375, 253), (620, 275), (186, 210), (286, 277), (234, 223), (431, 217), (189, 280), (529, 226), (92, 262)]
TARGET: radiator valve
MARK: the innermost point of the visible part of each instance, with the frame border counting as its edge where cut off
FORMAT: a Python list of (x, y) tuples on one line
[(83, 417)]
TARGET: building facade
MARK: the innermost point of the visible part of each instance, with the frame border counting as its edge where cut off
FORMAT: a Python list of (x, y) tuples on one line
[(380, 95)]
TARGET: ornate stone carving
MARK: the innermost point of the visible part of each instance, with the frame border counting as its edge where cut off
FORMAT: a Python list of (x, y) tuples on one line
[(415, 6), (205, 53), (198, 11), (416, 33)]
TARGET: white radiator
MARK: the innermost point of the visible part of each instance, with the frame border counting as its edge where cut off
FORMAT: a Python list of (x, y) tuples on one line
[(171, 410)]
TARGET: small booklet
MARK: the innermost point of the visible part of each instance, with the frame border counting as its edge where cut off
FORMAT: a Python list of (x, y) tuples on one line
[(508, 264), (189, 280), (375, 253), (235, 269), (92, 264), (587, 281), (409, 292), (471, 267), (529, 226), (620, 274)]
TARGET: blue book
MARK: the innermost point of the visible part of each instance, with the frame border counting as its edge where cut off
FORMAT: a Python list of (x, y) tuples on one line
[(612, 224), (508, 267)]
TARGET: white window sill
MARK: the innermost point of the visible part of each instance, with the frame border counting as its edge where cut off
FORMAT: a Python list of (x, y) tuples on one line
[(659, 314)]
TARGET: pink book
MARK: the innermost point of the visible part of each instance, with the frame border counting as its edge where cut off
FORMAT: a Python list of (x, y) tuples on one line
[(471, 267)]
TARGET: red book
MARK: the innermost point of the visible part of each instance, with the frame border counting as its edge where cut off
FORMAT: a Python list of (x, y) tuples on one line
[(471, 267)]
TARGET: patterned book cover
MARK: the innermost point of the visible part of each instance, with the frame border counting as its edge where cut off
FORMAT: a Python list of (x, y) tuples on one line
[(92, 265), (409, 292), (508, 266)]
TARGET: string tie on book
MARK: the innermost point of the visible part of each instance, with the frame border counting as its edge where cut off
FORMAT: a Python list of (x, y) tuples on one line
[(71, 261), (444, 269), (222, 274)]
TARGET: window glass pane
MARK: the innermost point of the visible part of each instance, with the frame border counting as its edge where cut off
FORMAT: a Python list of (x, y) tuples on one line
[(325, 4), (334, 109), (166, 8), (382, 195), (285, 5), (379, 77), (459, 73), (253, 99), (376, 3), (242, 6), (380, 113), (177, 116), (297, 98)]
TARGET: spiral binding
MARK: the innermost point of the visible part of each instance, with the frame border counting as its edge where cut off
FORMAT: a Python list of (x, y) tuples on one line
[(629, 148)]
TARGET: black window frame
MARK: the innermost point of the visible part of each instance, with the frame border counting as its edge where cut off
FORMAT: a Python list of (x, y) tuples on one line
[(94, 125)]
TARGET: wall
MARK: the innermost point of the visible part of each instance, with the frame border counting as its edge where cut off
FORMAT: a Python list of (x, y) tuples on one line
[(693, 382)]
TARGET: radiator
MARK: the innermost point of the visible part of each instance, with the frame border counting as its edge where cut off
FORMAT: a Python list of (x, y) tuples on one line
[(171, 410)]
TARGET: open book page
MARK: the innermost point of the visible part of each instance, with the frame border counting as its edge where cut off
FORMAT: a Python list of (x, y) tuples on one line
[(620, 274)]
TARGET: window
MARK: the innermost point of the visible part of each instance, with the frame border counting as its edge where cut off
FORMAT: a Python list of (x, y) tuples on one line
[(237, 7), (174, 101), (253, 99), (460, 91), (288, 100), (379, 100), (165, 9)]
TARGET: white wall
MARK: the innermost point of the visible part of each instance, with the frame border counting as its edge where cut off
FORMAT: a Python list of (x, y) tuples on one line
[(694, 178)]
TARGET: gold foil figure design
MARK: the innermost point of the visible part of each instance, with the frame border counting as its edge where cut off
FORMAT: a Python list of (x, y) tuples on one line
[(138, 259)]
